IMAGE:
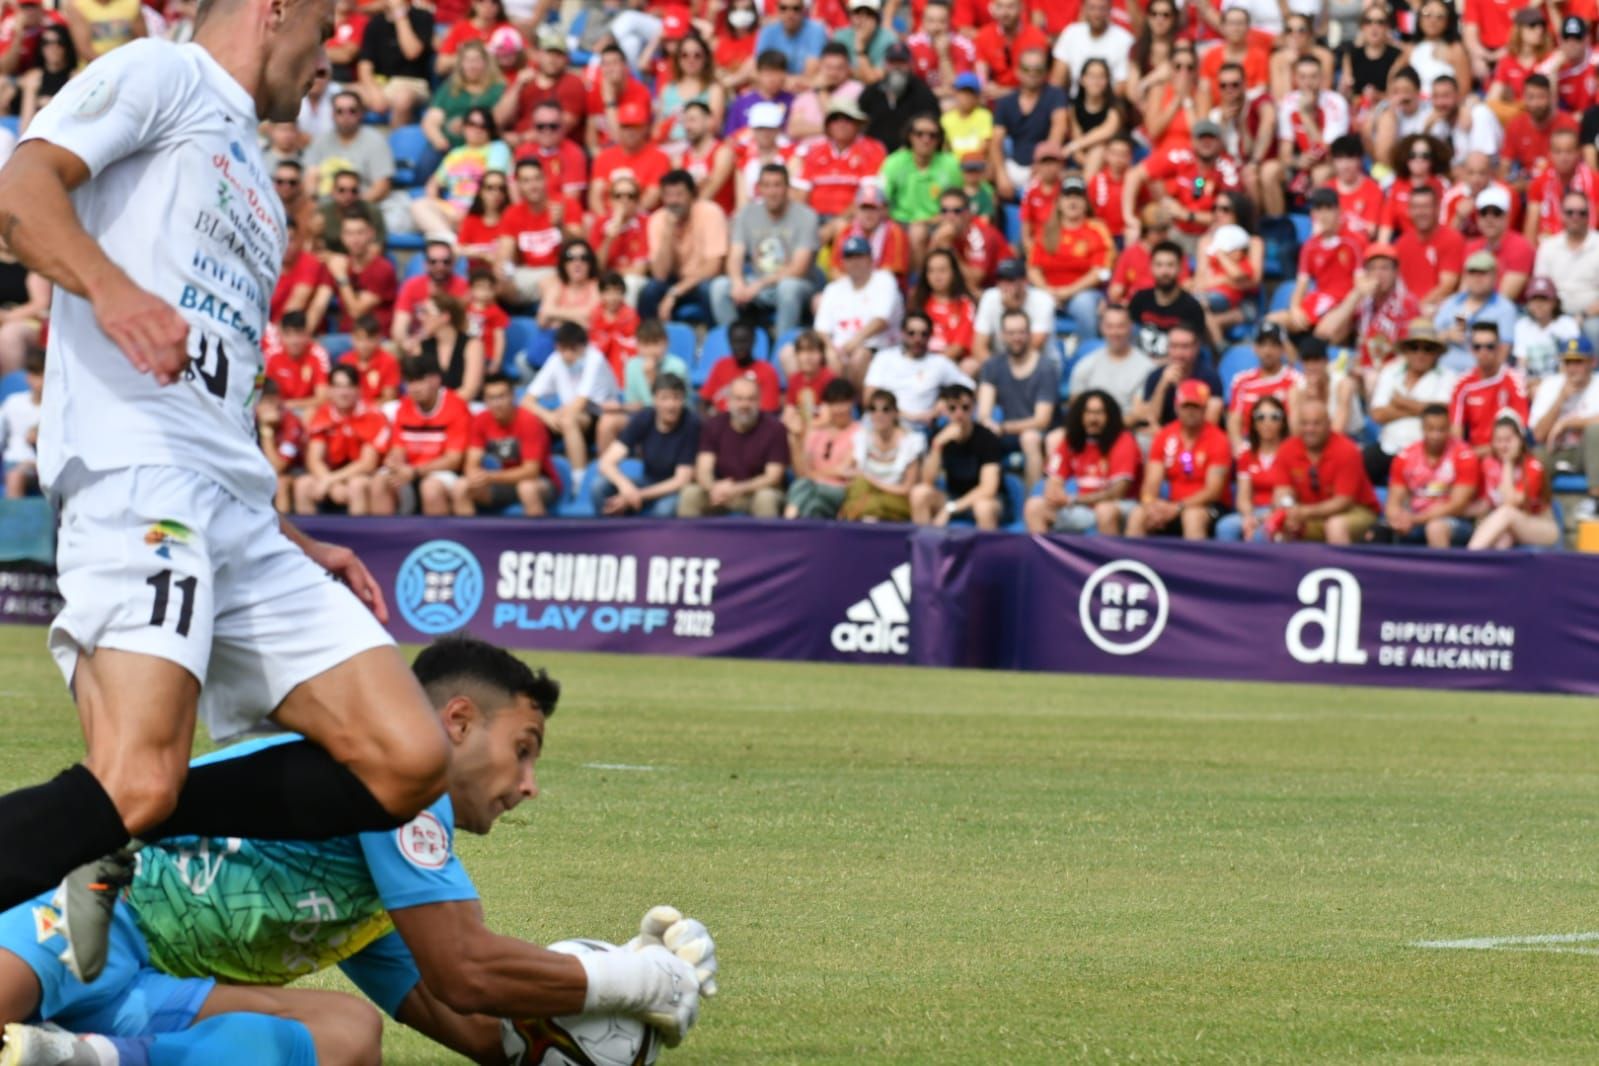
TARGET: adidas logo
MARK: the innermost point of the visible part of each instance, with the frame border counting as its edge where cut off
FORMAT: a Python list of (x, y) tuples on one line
[(879, 624)]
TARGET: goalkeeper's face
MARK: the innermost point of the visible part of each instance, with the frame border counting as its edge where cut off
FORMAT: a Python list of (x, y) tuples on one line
[(491, 770)]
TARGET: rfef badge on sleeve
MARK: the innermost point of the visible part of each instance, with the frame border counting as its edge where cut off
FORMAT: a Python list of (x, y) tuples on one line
[(424, 842)]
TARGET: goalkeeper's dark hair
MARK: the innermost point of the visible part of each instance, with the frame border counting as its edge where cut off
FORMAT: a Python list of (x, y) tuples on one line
[(464, 665)]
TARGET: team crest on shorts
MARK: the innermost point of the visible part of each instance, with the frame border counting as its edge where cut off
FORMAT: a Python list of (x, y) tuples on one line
[(46, 923), (165, 533)]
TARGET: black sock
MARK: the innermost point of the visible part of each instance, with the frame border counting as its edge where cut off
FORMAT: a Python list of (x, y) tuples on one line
[(49, 830), (291, 791)]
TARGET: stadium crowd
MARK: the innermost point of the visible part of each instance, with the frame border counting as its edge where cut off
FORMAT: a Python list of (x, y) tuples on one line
[(1246, 269)]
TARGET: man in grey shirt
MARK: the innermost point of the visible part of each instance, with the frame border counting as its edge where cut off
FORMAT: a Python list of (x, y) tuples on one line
[(350, 145), (1118, 367), (1024, 386), (770, 256)]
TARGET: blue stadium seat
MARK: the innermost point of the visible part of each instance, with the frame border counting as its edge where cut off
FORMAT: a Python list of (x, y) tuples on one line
[(1281, 296), (335, 344), (526, 346), (1282, 247), (1301, 226), (681, 341), (11, 123), (579, 58), (1236, 360), (568, 499), (415, 159), (13, 383), (1013, 224), (1566, 484), (1015, 499), (405, 242), (576, 500)]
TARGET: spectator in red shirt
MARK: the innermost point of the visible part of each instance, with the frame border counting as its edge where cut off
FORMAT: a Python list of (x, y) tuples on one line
[(1327, 496), (1260, 475), (1419, 160), (1192, 458), (612, 89), (566, 167), (1432, 484), (942, 296), (1517, 489), (304, 285), (1000, 44), (1487, 390), (299, 366), (1190, 181), (478, 236), (613, 327), (377, 371), (484, 18), (619, 234), (1328, 263), (486, 319), (835, 165), (1100, 455), (347, 441), (740, 364), (507, 459), (1273, 377), (438, 278), (432, 428), (364, 279), (1071, 258), (810, 377), (1527, 135), (534, 228), (978, 246), (1360, 198), (281, 434), (1564, 173), (1431, 257), (544, 80), (1513, 252), (633, 156)]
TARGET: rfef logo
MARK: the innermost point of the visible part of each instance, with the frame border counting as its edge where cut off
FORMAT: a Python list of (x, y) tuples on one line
[(439, 587), (879, 624), (1123, 607), (1332, 608)]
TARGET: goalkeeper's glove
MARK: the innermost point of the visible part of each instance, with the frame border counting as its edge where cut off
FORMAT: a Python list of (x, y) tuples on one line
[(649, 983), (686, 938)]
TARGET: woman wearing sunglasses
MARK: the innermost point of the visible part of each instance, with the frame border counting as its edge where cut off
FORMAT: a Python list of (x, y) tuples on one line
[(1172, 103), (1259, 475), (1418, 160), (454, 184), (888, 462)]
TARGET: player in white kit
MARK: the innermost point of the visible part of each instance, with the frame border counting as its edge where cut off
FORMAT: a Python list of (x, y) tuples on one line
[(141, 193)]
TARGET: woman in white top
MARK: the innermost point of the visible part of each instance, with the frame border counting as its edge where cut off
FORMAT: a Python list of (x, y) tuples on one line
[(1539, 333), (1439, 50), (889, 458)]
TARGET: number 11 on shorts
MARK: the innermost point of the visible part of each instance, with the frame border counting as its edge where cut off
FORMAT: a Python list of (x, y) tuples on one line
[(163, 583)]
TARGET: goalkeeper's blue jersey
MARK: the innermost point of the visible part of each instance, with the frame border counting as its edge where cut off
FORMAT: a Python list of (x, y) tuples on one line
[(268, 912)]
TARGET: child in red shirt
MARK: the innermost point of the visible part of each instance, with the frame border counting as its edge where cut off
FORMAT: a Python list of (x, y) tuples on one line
[(613, 326), (486, 319), (806, 385)]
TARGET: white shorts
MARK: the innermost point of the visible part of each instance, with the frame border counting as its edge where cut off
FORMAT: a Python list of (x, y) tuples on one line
[(164, 562)]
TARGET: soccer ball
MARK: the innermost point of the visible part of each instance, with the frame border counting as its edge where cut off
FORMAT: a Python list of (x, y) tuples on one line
[(590, 1039)]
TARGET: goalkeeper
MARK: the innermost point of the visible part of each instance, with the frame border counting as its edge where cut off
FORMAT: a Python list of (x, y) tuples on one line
[(394, 910)]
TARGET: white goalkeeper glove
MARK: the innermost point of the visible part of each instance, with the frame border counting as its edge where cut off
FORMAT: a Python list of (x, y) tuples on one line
[(686, 938), (650, 983)]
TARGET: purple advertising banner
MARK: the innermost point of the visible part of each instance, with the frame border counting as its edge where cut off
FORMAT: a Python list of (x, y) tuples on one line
[(1461, 620), (28, 594), (792, 590)]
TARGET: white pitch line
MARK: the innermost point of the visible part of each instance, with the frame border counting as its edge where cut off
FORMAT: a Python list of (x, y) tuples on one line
[(617, 766), (1555, 943)]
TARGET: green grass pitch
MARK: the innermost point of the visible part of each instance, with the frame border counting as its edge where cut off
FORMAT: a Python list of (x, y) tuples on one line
[(908, 866)]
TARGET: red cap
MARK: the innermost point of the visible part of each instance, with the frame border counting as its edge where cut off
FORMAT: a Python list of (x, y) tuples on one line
[(674, 24), (633, 113), (1381, 251), (1193, 391)]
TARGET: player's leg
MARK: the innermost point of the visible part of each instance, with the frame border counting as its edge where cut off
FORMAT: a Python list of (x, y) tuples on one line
[(344, 1030), (19, 989)]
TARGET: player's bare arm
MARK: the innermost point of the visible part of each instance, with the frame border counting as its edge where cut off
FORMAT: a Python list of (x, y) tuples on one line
[(40, 227)]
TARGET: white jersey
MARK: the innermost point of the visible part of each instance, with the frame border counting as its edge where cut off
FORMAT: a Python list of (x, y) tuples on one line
[(180, 199)]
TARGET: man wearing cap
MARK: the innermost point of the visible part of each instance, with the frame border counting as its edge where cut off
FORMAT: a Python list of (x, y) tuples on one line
[(1271, 377), (1035, 114), (1431, 485), (899, 92), (760, 145), (545, 80), (859, 312), (1192, 458), (1191, 181), (770, 256), (1570, 259), (867, 39), (633, 154), (914, 176), (968, 125), (891, 246), (1011, 291), (834, 166), (1093, 36), (807, 115), (1541, 332), (1328, 262), (915, 376), (798, 37), (1309, 119), (1328, 496), (1565, 412), (938, 55), (687, 248), (1513, 254), (1571, 67), (1490, 387), (1431, 256), (1405, 387), (1477, 301), (1003, 46)]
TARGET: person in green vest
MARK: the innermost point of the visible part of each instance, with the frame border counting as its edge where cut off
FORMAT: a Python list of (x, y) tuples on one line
[(915, 176)]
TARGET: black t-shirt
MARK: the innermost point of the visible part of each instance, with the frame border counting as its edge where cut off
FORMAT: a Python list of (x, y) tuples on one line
[(886, 120), (1368, 72), (1152, 319), (381, 45), (964, 460), (1168, 410), (662, 453), (1590, 125)]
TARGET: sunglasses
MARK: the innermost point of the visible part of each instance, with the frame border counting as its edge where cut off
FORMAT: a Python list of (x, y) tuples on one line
[(880, 409), (789, 8), (1268, 416), (547, 127), (346, 190), (1484, 346), (924, 133), (1422, 154), (285, 181), (1231, 84), (913, 332), (577, 257), (1496, 212), (614, 196), (1573, 212), (494, 186), (432, 262), (475, 125), (1182, 66), (952, 210), (1031, 68)]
